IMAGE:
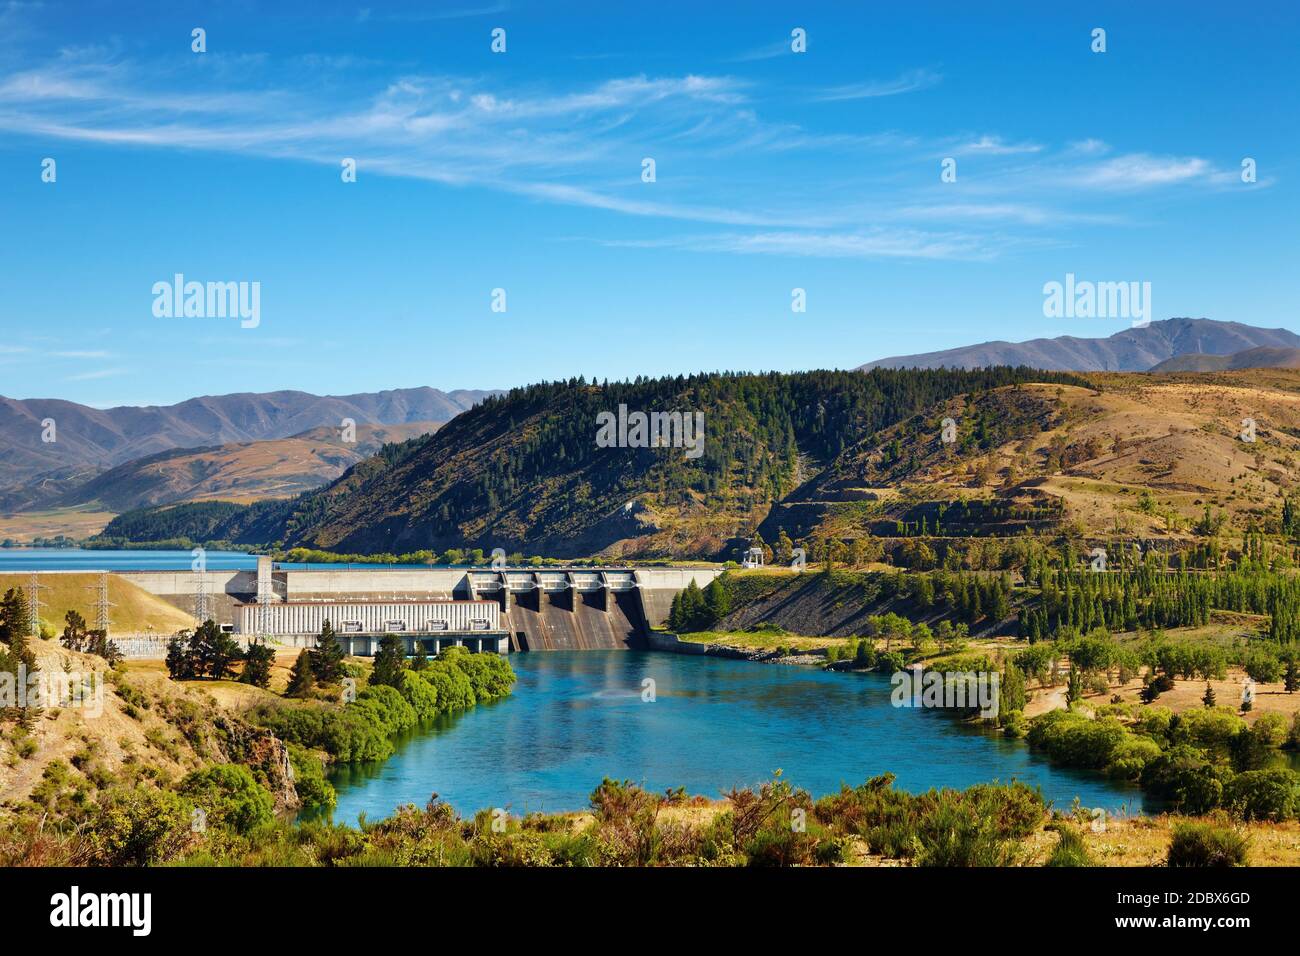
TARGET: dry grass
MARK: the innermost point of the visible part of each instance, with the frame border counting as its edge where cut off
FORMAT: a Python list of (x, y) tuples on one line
[(82, 521), (763, 640), (135, 610)]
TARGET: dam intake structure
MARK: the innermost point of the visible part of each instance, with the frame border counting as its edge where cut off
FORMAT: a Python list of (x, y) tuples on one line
[(489, 609)]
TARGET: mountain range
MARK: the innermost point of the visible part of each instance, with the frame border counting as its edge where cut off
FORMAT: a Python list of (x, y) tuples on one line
[(1131, 350), (1263, 357), (240, 472), (35, 471), (812, 453)]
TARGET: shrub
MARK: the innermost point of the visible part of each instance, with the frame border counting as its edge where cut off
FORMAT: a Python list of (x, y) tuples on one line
[(140, 827), (890, 662), (626, 834), (865, 655), (345, 734), (1070, 849), (1014, 724), (1131, 755), (420, 694), (1205, 844), (454, 689), (975, 827), (387, 706), (1210, 729), (230, 797), (314, 790), (1076, 740), (1264, 794), (1184, 777), (490, 675)]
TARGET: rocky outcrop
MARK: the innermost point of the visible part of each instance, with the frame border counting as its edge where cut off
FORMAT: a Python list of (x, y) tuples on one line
[(262, 752)]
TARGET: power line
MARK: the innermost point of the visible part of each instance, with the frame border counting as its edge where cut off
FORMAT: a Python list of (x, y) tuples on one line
[(102, 603), (201, 613), (34, 604)]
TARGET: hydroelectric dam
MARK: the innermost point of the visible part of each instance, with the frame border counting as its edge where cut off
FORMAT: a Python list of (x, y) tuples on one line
[(502, 610)]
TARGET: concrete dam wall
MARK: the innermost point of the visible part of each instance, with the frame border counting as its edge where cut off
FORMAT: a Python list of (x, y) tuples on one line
[(542, 609)]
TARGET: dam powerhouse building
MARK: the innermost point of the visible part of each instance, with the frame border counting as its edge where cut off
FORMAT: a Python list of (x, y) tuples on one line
[(493, 610)]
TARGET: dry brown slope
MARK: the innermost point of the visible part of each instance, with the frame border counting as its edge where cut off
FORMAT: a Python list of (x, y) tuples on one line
[(1178, 438), (134, 609)]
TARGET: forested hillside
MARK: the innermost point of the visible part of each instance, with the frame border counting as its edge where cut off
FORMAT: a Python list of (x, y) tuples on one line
[(523, 470)]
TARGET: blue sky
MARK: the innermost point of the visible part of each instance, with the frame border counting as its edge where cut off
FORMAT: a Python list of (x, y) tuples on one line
[(522, 171)]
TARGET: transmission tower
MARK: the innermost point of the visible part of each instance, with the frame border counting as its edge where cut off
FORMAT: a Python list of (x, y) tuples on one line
[(201, 598), (34, 604), (102, 603), (264, 598)]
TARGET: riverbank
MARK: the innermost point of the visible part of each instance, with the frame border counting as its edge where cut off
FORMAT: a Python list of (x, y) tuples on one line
[(107, 748)]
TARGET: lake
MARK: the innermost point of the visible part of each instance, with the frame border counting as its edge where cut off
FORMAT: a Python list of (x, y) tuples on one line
[(576, 717), (14, 560)]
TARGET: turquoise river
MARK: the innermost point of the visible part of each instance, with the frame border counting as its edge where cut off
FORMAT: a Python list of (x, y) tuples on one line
[(713, 724)]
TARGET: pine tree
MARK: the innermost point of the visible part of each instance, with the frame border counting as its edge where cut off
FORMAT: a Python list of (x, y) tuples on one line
[(180, 662), (1074, 686), (390, 661), (257, 665), (213, 650), (675, 614), (302, 680), (18, 659), (717, 600), (327, 658), (97, 642), (1291, 679), (1208, 699), (692, 610), (74, 632)]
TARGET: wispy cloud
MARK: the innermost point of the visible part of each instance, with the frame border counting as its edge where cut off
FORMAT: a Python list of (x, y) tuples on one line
[(908, 82), (1142, 171), (97, 374), (722, 161), (879, 243), (996, 146), (768, 51)]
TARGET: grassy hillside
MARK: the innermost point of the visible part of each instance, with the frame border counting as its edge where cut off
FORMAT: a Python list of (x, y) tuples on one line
[(821, 457), (241, 472), (1137, 456), (523, 471), (135, 609)]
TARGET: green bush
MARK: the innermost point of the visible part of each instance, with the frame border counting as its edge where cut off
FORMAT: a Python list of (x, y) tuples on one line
[(138, 827), (1184, 777), (387, 706), (230, 796), (420, 694), (1015, 724), (314, 790), (1263, 794), (490, 675), (1205, 844), (975, 827), (1075, 740), (346, 733), (1070, 849), (1212, 730), (1130, 757), (452, 684)]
